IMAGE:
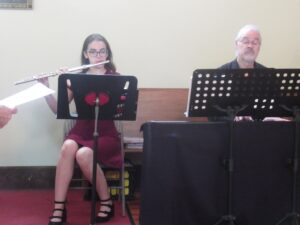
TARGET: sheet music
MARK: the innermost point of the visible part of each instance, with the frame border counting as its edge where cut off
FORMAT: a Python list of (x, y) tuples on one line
[(32, 93)]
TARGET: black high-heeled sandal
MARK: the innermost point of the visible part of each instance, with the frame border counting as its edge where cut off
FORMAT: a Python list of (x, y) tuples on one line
[(62, 219), (108, 214)]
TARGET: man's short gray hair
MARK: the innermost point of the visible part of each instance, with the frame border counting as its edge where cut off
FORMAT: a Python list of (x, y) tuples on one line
[(245, 29)]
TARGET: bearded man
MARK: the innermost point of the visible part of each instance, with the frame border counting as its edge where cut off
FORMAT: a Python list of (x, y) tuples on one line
[(247, 45)]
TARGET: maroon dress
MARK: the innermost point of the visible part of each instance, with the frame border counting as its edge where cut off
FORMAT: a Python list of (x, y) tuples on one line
[(109, 145)]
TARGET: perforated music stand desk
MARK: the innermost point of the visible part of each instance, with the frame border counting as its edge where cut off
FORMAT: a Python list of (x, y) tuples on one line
[(258, 93), (117, 97)]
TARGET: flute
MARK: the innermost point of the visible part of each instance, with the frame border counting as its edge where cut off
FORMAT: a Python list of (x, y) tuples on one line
[(52, 74)]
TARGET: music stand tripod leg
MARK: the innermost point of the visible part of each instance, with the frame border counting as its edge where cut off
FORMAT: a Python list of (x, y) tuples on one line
[(229, 163), (94, 179), (229, 218)]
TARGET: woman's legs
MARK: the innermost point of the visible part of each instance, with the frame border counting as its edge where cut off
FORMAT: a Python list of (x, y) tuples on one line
[(84, 157), (64, 173)]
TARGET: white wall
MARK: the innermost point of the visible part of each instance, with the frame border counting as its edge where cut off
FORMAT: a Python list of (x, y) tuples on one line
[(161, 42)]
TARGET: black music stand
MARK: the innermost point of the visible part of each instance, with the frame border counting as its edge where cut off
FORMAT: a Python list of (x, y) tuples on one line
[(258, 93), (105, 97)]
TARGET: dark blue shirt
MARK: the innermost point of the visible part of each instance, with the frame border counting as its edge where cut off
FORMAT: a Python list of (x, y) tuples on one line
[(234, 65)]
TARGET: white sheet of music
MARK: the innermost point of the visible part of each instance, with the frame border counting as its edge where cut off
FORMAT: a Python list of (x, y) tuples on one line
[(32, 93)]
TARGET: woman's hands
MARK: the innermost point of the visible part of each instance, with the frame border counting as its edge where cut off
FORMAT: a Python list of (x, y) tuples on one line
[(45, 80)]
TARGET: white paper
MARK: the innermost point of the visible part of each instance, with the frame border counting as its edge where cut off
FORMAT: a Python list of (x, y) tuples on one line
[(34, 92)]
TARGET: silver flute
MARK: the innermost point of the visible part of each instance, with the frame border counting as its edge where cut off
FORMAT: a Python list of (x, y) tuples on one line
[(52, 74)]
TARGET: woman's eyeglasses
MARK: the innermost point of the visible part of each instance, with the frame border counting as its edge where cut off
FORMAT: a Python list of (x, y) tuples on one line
[(95, 53)]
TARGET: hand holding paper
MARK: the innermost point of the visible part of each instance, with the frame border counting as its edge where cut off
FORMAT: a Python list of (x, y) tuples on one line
[(34, 92), (6, 115)]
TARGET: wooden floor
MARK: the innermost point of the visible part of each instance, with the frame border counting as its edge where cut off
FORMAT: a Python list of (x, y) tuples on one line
[(134, 207)]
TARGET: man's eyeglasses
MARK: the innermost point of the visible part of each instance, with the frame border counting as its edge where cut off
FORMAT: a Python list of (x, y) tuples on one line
[(95, 53), (247, 42)]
